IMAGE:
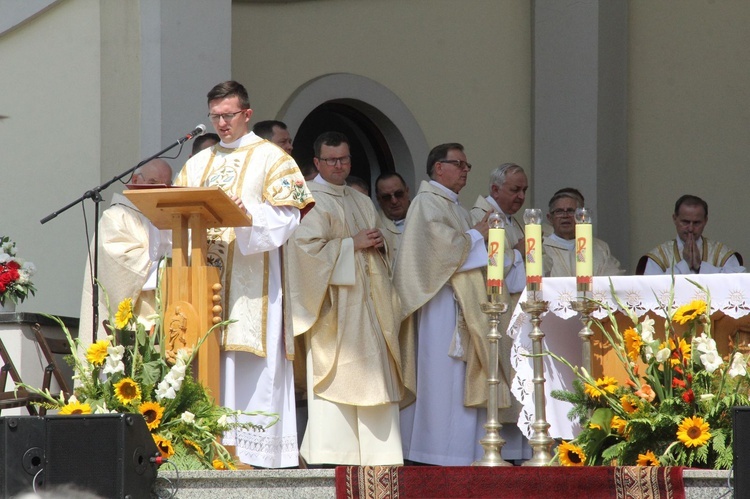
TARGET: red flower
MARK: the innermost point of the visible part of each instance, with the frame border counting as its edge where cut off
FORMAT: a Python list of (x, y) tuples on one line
[(689, 396), (678, 383)]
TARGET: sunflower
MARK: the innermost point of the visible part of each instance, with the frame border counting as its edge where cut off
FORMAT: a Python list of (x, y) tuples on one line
[(618, 424), (592, 391), (633, 343), (218, 464), (571, 455), (648, 459), (75, 407), (97, 352), (194, 446), (164, 446), (693, 432), (124, 313), (689, 312), (629, 404), (127, 390), (152, 413)]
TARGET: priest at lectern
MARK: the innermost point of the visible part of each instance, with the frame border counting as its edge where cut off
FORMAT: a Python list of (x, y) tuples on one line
[(256, 367)]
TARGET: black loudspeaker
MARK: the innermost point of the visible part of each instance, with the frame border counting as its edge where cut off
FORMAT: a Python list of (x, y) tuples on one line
[(21, 454), (107, 454), (741, 450)]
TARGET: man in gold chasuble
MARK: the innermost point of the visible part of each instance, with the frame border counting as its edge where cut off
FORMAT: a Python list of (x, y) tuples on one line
[(342, 301), (256, 358), (440, 281)]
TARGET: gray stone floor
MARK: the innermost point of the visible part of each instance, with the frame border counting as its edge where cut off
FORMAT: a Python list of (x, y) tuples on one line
[(314, 484)]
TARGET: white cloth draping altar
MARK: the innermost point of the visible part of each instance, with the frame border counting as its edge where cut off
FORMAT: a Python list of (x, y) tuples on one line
[(729, 293)]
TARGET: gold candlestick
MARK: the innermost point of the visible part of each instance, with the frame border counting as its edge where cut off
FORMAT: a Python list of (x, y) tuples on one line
[(540, 441), (492, 441), (585, 307)]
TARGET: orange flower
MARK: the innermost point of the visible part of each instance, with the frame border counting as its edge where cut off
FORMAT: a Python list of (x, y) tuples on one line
[(646, 393), (629, 405), (633, 343)]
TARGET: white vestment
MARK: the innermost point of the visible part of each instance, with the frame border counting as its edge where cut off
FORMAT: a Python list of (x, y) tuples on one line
[(256, 372)]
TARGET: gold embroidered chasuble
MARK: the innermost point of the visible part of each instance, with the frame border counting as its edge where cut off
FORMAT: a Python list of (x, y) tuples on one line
[(713, 252), (352, 329), (559, 259), (433, 247), (257, 172), (124, 266)]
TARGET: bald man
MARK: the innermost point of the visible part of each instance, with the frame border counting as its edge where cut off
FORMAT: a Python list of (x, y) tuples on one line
[(129, 250)]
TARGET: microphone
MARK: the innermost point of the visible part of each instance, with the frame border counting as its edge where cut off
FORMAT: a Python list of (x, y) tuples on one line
[(197, 132)]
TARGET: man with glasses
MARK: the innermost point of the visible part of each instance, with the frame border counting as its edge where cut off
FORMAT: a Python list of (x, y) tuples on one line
[(559, 247), (256, 359), (440, 280), (393, 197), (690, 252), (344, 305)]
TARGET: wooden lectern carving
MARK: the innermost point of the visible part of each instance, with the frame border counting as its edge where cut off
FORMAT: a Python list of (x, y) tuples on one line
[(193, 297)]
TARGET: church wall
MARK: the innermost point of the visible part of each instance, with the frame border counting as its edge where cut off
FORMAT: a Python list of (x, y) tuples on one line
[(50, 83), (463, 72), (689, 116)]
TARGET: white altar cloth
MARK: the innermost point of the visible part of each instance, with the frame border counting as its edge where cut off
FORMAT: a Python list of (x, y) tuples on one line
[(729, 293)]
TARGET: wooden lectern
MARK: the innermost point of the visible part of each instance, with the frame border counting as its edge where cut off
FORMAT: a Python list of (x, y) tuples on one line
[(193, 301)]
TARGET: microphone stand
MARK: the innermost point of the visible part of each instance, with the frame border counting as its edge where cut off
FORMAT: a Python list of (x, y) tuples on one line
[(95, 195)]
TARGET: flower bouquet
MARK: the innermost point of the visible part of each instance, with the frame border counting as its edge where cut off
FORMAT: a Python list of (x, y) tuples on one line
[(15, 274), (674, 408), (127, 373)]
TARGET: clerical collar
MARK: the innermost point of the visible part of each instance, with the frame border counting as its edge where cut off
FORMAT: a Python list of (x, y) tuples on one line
[(451, 194), (566, 243), (496, 207), (320, 180), (246, 139)]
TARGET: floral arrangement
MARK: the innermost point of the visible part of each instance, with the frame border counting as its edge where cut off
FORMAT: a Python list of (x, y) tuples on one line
[(674, 408), (126, 373), (15, 274)]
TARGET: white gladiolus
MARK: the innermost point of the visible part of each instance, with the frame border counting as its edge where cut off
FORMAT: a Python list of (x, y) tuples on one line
[(187, 417), (113, 365), (223, 422), (663, 354), (738, 367), (647, 330), (706, 397), (704, 344), (711, 361)]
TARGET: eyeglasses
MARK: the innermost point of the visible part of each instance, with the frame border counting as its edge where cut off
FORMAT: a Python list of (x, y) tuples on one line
[(344, 160), (560, 212), (457, 162), (227, 116), (387, 197)]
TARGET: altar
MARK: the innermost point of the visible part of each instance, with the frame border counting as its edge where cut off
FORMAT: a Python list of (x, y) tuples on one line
[(729, 296)]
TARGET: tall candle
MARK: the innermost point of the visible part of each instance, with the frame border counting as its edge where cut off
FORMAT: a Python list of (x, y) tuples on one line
[(495, 257), (533, 219), (584, 253)]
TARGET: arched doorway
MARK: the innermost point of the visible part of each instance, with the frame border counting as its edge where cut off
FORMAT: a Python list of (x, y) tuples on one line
[(383, 134)]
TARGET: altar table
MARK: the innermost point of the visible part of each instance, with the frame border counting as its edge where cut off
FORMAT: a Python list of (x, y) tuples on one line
[(730, 312)]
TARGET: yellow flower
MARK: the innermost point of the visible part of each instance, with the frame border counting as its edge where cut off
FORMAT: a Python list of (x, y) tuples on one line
[(648, 459), (693, 432), (689, 312), (75, 408), (618, 424), (592, 391), (629, 404), (164, 446), (127, 391), (195, 446), (97, 352), (606, 384), (124, 313), (571, 455), (152, 413), (594, 426), (633, 343)]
